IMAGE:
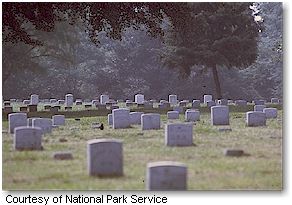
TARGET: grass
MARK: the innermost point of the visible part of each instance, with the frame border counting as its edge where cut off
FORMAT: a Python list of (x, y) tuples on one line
[(208, 168)]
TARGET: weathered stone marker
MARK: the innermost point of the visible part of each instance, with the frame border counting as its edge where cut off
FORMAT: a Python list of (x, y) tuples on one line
[(121, 118), (255, 118), (16, 120), (166, 175), (135, 118), (27, 138), (271, 112), (192, 115), (105, 157), (220, 115), (172, 115), (150, 121), (178, 134), (44, 123), (58, 120)]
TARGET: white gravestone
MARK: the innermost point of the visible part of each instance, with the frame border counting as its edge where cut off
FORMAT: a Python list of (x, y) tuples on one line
[(150, 121), (192, 115), (139, 99), (172, 115), (178, 109), (121, 118), (34, 99), (110, 119), (172, 99), (44, 123), (220, 115), (166, 175), (270, 112), (105, 157), (27, 138), (16, 120), (104, 99), (26, 102), (135, 118), (275, 100), (179, 134), (207, 98), (259, 108), (58, 120), (69, 100), (255, 118)]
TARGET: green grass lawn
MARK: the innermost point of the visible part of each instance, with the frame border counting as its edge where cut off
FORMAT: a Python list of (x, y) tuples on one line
[(208, 168)]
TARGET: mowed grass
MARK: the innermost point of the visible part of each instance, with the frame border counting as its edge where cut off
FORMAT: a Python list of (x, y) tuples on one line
[(208, 168)]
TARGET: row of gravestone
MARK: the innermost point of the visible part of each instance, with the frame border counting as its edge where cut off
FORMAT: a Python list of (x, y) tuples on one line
[(139, 99), (123, 118)]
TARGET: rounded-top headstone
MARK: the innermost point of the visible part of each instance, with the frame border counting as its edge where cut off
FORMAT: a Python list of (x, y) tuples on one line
[(178, 134), (105, 157), (121, 118), (16, 120), (166, 175), (150, 121), (207, 98), (255, 118), (220, 115), (27, 138)]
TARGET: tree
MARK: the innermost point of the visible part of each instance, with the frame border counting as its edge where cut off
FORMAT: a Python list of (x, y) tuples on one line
[(212, 35)]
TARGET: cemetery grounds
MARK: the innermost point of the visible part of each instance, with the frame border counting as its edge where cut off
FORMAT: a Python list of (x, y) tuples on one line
[(207, 167)]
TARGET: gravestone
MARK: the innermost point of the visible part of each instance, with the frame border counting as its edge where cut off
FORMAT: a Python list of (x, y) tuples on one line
[(16, 120), (192, 115), (220, 115), (196, 104), (104, 99), (255, 118), (259, 108), (94, 102), (223, 102), (34, 99), (7, 103), (8, 109), (110, 119), (172, 99), (129, 101), (178, 134), (26, 102), (61, 102), (139, 99), (211, 103), (233, 152), (164, 105), (148, 105), (135, 118), (32, 108), (105, 157), (88, 106), (53, 101), (78, 102), (259, 102), (275, 100), (27, 138), (65, 155), (150, 121), (270, 112), (44, 123), (69, 100), (121, 118), (58, 120), (172, 115), (165, 176), (207, 98), (178, 109), (12, 100), (23, 108), (182, 104)]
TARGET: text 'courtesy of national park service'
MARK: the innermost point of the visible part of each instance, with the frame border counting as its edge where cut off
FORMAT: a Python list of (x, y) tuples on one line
[(81, 199)]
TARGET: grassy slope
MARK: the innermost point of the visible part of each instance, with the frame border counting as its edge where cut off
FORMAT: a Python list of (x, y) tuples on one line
[(208, 168)]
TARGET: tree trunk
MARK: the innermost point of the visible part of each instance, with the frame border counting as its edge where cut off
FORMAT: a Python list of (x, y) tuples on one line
[(217, 82)]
